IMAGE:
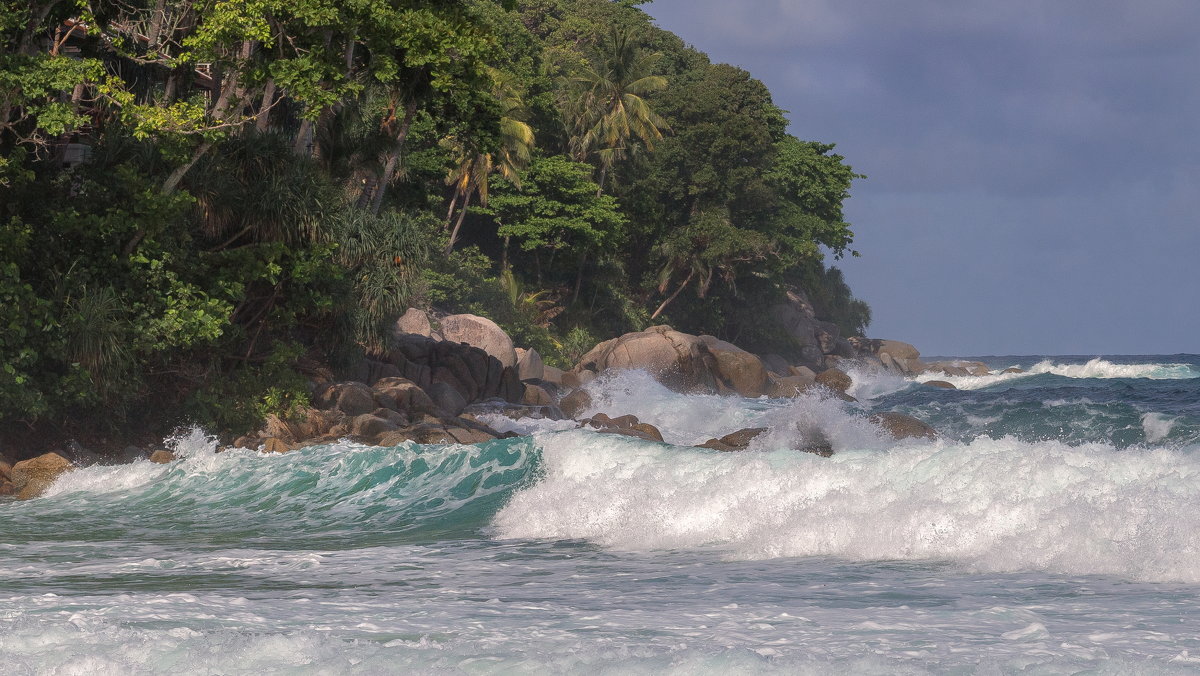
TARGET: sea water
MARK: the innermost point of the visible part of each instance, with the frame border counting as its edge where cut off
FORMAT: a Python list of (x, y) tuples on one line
[(1052, 528)]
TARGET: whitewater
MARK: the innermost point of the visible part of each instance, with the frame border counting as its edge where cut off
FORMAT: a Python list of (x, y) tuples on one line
[(1053, 527)]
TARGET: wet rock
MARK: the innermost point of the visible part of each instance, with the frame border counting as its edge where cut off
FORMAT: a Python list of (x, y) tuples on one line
[(679, 361), (734, 441), (834, 379), (941, 383), (275, 445), (603, 421), (577, 379), (575, 403), (529, 364), (162, 457), (787, 386), (551, 388), (775, 364), (5, 468), (737, 369), (370, 426), (455, 431), (535, 395), (480, 332), (638, 431), (902, 426), (1013, 369), (7, 489), (514, 411), (446, 398), (32, 477), (803, 372), (404, 395), (649, 430)]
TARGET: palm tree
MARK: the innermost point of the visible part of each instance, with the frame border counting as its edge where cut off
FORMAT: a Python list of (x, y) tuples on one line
[(470, 174), (604, 105)]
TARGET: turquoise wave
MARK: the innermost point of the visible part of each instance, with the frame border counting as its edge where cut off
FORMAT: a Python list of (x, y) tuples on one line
[(343, 492)]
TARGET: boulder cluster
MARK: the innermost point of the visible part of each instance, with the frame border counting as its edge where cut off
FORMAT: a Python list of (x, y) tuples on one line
[(440, 377)]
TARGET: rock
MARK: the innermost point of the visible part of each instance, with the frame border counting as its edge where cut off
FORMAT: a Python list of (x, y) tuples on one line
[(775, 364), (803, 372), (350, 397), (679, 361), (552, 374), (1013, 369), (394, 417), (902, 426), (446, 398), (796, 318), (529, 364), (437, 433), (80, 456), (550, 388), (649, 430), (162, 457), (957, 367), (575, 403), (5, 468), (413, 322), (602, 421), (742, 437), (716, 445), (480, 332), (575, 380), (7, 488), (641, 431), (129, 454), (31, 478), (834, 379), (536, 396), (788, 386), (275, 445), (739, 370), (514, 411), (941, 383), (404, 395), (371, 426)]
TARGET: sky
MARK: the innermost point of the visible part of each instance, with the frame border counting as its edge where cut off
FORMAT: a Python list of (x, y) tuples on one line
[(1033, 167)]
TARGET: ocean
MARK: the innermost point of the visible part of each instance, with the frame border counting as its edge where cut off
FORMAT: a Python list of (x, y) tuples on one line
[(1053, 528)]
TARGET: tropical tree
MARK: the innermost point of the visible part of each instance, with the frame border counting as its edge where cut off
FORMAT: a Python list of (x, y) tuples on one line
[(470, 174), (604, 102)]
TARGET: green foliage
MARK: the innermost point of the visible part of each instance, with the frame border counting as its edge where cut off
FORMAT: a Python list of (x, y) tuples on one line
[(557, 206), (259, 185)]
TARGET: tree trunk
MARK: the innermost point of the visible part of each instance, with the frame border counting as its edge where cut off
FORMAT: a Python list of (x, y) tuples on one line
[(461, 215), (156, 22), (666, 302), (393, 158), (600, 184), (176, 176), (264, 110), (450, 211), (579, 275), (504, 255), (303, 144)]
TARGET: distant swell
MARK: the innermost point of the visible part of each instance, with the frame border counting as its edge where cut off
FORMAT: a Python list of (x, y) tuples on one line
[(991, 505), (1096, 368)]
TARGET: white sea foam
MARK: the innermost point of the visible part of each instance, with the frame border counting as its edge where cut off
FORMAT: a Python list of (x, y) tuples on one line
[(1157, 426), (991, 505), (1096, 368)]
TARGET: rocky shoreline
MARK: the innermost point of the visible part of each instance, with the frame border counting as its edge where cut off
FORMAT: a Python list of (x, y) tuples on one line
[(440, 377)]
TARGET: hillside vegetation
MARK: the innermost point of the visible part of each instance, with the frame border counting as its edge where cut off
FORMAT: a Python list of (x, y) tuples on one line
[(203, 203)]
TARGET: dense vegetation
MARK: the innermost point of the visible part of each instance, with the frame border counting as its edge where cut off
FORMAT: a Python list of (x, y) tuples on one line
[(205, 202)]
